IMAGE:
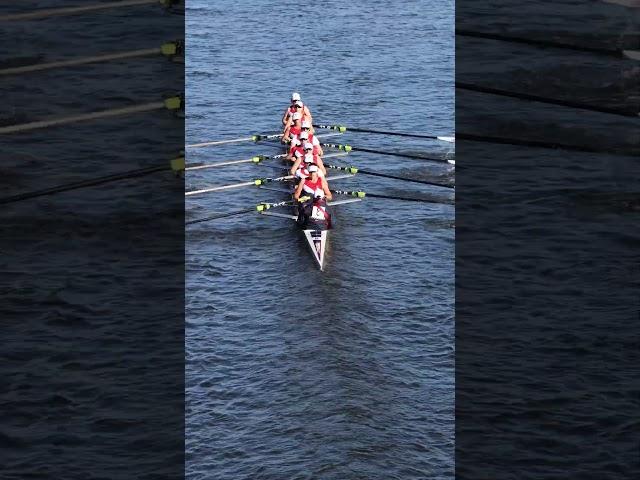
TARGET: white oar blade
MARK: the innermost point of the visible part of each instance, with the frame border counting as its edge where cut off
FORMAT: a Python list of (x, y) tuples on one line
[(447, 139), (632, 54)]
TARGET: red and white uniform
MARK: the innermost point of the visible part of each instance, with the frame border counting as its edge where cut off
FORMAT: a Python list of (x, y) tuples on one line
[(313, 188), (308, 137), (298, 148), (303, 171), (311, 158), (294, 131), (302, 110)]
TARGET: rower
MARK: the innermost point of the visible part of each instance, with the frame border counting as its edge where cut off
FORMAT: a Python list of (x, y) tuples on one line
[(295, 149), (293, 128), (307, 136), (314, 185), (302, 163), (296, 106)]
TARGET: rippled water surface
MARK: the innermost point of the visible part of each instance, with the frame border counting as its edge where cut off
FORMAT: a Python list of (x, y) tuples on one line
[(291, 372)]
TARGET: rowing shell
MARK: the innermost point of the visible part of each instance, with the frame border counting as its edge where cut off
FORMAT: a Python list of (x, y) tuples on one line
[(316, 238)]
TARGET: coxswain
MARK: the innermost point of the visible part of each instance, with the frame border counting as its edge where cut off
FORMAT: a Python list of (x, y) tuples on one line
[(306, 136), (293, 128), (314, 185), (302, 163), (296, 106)]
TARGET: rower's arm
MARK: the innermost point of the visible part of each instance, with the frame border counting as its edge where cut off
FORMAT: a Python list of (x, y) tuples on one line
[(308, 112), (295, 166), (285, 117), (296, 194), (287, 128), (325, 188), (321, 166)]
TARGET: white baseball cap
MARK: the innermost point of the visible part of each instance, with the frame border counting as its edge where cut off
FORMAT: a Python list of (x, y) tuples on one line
[(306, 124), (304, 135), (308, 146), (297, 116), (295, 141), (295, 96), (312, 168)]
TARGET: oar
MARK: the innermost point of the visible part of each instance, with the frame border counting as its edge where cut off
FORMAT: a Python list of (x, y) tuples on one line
[(349, 148), (174, 104), (257, 183), (551, 145), (343, 128), (354, 170), (361, 194), (261, 207), (252, 138), (54, 12), (621, 112), (177, 164), (618, 53), (256, 159)]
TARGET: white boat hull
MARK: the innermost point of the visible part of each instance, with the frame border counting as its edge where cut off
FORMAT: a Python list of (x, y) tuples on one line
[(317, 240)]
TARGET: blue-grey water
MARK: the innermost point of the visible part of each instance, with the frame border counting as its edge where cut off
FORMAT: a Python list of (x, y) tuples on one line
[(294, 373)]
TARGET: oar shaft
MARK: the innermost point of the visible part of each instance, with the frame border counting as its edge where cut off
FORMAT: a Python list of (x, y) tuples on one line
[(256, 159), (550, 101), (362, 194), (217, 189), (55, 12), (114, 112), (550, 145), (220, 142), (404, 179), (252, 138), (258, 208), (348, 148), (220, 164), (353, 170), (257, 183), (539, 42), (80, 61), (83, 184), (343, 128), (221, 215)]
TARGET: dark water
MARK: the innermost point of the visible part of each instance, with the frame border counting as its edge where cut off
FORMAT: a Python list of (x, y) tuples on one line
[(89, 353), (547, 249), (293, 373)]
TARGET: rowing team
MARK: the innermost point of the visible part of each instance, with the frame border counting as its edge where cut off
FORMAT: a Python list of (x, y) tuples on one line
[(305, 152)]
